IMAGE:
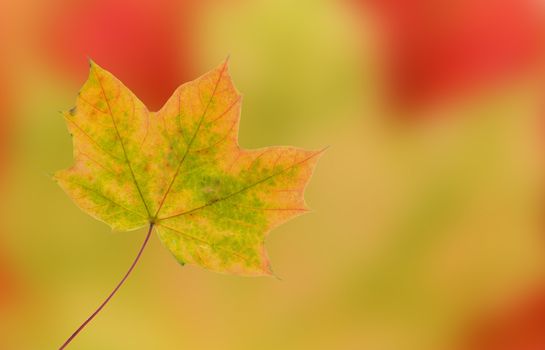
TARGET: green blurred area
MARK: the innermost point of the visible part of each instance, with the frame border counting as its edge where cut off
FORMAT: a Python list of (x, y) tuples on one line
[(415, 229)]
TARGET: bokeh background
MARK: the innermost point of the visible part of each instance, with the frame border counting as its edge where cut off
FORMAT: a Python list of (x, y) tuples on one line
[(428, 226)]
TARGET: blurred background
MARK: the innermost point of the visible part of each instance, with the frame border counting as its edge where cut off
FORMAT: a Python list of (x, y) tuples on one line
[(428, 226)]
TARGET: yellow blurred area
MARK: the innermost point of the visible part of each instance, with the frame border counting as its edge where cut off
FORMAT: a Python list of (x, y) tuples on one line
[(416, 229)]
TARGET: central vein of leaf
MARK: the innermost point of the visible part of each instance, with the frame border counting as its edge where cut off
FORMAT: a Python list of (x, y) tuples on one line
[(121, 142), (188, 148)]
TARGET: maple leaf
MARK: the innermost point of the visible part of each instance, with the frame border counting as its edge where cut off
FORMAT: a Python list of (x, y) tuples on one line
[(181, 171)]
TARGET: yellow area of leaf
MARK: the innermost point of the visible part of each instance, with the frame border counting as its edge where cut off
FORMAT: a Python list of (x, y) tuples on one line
[(182, 170)]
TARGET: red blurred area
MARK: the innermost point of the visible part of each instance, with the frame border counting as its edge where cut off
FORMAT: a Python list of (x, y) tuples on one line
[(148, 44), (519, 327), (440, 49)]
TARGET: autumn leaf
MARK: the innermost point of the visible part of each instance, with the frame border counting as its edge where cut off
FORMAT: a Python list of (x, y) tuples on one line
[(182, 171)]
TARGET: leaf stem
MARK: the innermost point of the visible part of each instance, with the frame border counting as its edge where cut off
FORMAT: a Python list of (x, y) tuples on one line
[(80, 328)]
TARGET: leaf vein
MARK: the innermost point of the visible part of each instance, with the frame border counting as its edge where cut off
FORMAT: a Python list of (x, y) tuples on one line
[(191, 141), (242, 189), (87, 188), (121, 140)]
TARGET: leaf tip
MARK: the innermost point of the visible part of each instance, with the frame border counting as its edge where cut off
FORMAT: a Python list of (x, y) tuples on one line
[(51, 176), (307, 210), (93, 66), (278, 278), (274, 275), (224, 66), (266, 268), (323, 150)]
